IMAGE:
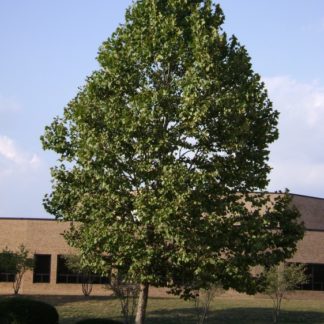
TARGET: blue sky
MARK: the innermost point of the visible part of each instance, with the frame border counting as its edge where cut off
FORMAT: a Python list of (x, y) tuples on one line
[(47, 48)]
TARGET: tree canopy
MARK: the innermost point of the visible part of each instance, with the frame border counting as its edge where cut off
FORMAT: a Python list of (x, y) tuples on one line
[(161, 148)]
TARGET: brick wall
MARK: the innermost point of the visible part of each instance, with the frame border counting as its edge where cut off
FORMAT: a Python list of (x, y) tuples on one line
[(44, 236), (40, 237)]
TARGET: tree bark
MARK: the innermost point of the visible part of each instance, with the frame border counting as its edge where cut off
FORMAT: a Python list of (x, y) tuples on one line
[(142, 303)]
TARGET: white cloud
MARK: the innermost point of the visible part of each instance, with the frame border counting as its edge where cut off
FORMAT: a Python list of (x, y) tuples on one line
[(13, 157), (298, 156), (22, 190), (24, 179), (297, 101), (299, 177)]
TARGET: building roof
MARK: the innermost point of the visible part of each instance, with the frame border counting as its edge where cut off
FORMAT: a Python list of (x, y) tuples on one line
[(311, 210)]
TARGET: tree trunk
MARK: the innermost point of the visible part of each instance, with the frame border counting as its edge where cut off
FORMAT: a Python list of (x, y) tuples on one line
[(142, 303)]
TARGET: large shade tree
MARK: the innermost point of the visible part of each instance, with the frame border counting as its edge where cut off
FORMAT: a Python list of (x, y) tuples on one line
[(160, 150)]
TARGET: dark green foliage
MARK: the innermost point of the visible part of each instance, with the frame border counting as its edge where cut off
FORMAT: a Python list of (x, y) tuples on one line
[(17, 310), (98, 321)]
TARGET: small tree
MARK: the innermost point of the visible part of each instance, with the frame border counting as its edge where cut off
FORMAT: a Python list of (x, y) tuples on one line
[(75, 265), (202, 299), (127, 291), (16, 264), (23, 263), (281, 279)]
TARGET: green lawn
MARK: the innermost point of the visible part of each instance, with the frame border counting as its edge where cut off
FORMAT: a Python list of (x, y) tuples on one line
[(176, 311)]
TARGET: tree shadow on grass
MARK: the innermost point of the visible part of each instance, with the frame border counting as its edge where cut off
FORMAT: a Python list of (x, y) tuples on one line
[(246, 315), (59, 300)]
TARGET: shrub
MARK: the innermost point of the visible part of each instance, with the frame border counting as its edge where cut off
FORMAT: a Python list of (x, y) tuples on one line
[(98, 321), (19, 310)]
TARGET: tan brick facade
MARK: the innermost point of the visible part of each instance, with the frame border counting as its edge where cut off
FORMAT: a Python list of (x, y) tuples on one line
[(40, 236), (44, 236), (310, 249)]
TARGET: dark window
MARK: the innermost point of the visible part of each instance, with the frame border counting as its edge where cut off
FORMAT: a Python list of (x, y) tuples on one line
[(315, 275), (42, 268), (65, 275), (7, 267), (96, 279), (7, 274), (7, 277)]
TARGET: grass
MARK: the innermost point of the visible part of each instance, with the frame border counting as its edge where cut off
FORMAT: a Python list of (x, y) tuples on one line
[(175, 311)]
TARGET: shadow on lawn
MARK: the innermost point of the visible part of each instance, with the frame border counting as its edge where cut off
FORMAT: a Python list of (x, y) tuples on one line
[(246, 315), (59, 300)]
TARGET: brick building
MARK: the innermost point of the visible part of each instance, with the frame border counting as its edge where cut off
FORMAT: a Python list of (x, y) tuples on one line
[(43, 238)]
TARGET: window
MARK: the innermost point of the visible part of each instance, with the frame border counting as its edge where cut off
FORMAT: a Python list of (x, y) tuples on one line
[(7, 272), (7, 276), (96, 279), (7, 266), (315, 274), (42, 268), (65, 275)]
